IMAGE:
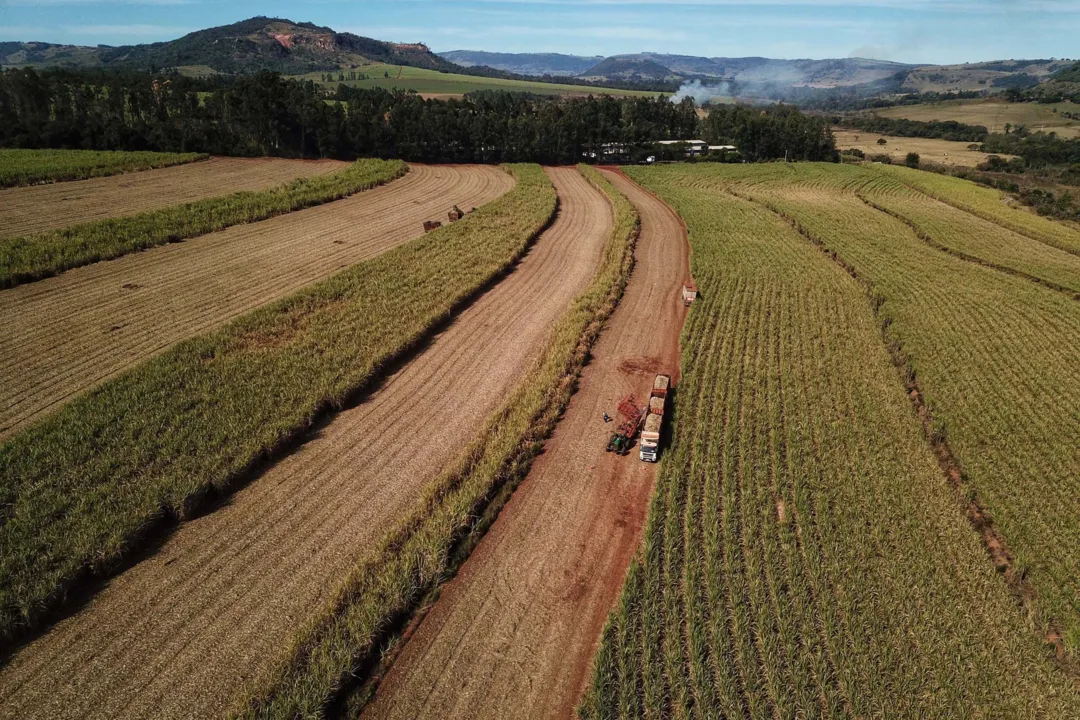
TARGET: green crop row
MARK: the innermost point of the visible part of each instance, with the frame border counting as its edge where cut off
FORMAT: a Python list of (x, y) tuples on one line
[(33, 257), (995, 356), (421, 553), (804, 555), (988, 204), (31, 167), (80, 490)]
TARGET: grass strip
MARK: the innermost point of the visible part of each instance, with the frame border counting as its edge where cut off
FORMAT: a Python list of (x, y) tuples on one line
[(456, 508), (29, 258), (82, 489), (34, 167)]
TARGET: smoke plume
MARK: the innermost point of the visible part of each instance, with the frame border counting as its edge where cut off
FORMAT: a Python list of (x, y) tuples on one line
[(700, 92)]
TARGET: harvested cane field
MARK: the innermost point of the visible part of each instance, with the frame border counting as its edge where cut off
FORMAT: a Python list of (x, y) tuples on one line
[(83, 483), (513, 634), (181, 633), (30, 167), (878, 401), (27, 210), (67, 333), (25, 259)]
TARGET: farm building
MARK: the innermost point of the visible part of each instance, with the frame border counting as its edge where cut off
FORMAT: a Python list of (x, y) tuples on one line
[(693, 147)]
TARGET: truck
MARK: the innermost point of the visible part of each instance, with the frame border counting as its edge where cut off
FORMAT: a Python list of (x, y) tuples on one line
[(654, 420)]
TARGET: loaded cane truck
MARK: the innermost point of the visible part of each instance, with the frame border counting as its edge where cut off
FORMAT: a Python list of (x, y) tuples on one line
[(654, 421)]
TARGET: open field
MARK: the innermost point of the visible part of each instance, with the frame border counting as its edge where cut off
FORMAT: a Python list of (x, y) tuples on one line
[(30, 167), (50, 207), (989, 204), (805, 554), (942, 152), (996, 362), (68, 333), (994, 114), (155, 441), (446, 85), (180, 633), (457, 506), (45, 254), (513, 634)]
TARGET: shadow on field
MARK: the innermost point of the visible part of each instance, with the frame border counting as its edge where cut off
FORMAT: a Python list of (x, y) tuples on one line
[(80, 593)]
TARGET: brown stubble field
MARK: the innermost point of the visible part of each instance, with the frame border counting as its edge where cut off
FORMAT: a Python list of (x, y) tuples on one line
[(38, 208), (179, 634), (940, 152), (513, 635), (67, 333)]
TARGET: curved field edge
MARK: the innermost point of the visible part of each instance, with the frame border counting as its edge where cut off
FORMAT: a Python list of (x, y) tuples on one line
[(33, 257), (19, 167), (986, 203), (786, 568), (334, 654), (82, 490)]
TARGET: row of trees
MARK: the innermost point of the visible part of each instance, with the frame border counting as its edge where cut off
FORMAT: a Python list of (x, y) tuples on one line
[(902, 127), (265, 114)]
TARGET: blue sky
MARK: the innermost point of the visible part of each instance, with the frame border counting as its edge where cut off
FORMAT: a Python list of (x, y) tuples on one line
[(940, 31)]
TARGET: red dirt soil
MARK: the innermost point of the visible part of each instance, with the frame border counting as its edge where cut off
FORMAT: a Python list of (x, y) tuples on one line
[(38, 208), (179, 634), (65, 334), (514, 633)]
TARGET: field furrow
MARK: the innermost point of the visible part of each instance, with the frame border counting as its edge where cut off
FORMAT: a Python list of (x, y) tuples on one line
[(28, 210), (179, 634), (513, 633), (68, 333)]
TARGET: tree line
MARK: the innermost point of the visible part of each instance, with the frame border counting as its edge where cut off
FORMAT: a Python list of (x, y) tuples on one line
[(902, 127), (266, 114)]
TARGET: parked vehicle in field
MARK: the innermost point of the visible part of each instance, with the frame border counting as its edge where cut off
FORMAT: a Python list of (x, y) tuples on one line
[(654, 421), (624, 435), (689, 294)]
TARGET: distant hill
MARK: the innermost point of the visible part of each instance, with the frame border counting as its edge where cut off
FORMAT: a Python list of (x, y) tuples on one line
[(797, 73), (630, 68), (257, 44), (1069, 74), (997, 74), (537, 64), (292, 48)]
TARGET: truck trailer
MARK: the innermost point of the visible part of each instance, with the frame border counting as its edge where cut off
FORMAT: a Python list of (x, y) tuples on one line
[(654, 421)]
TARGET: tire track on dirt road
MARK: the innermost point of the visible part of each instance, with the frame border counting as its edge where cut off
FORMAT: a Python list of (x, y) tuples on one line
[(38, 208), (513, 635), (62, 335), (178, 634)]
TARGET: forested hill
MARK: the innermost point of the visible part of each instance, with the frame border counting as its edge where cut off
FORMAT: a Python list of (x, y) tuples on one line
[(248, 46)]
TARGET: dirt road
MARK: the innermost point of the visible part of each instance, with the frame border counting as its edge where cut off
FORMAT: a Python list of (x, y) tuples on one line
[(37, 208), (65, 334), (176, 635), (514, 633)]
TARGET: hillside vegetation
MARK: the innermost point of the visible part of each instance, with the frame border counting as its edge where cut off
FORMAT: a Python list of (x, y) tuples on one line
[(805, 554), (259, 43), (80, 490)]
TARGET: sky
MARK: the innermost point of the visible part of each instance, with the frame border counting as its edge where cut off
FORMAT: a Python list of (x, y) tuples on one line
[(918, 31)]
